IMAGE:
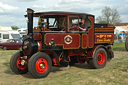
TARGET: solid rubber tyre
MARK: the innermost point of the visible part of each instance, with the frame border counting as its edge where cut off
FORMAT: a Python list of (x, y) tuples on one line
[(35, 63), (99, 58), (15, 66)]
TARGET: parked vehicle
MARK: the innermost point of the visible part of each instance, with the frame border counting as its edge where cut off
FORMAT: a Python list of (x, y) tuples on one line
[(5, 35), (11, 44), (58, 41), (22, 31)]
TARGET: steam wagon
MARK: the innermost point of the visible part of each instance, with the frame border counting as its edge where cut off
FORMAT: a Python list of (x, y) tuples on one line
[(54, 39)]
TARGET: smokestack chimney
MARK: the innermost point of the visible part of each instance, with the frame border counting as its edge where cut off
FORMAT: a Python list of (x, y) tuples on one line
[(30, 22)]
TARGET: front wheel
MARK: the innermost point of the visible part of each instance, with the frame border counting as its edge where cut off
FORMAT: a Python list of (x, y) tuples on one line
[(99, 58), (40, 65), (19, 63)]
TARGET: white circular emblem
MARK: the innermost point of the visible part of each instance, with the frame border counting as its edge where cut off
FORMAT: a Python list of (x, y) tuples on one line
[(68, 39)]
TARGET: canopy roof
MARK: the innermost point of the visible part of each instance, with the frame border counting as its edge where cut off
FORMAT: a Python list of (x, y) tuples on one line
[(62, 13)]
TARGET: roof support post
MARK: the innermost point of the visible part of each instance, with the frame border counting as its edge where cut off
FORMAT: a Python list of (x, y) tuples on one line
[(67, 23)]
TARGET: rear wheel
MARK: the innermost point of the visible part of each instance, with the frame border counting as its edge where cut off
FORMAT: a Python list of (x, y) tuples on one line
[(40, 65), (19, 63), (99, 58), (126, 43)]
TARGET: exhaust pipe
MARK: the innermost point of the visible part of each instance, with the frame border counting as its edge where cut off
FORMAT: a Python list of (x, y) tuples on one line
[(30, 22)]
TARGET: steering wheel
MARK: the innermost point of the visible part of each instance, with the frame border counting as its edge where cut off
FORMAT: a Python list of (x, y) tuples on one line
[(75, 28)]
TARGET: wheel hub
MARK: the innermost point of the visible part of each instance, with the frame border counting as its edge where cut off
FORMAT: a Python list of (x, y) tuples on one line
[(42, 66), (23, 62), (99, 58)]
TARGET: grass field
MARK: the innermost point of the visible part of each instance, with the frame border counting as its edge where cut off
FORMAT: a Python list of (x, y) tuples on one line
[(115, 72)]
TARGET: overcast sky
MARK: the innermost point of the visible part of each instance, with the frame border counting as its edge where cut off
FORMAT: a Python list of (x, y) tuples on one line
[(12, 11)]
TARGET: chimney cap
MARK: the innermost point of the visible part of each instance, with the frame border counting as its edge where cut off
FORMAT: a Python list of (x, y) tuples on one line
[(29, 10)]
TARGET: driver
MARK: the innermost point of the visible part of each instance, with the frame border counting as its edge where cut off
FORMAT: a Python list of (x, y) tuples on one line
[(83, 25)]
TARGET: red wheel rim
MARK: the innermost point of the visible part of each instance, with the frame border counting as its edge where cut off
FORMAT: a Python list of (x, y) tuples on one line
[(19, 63), (100, 58), (41, 65)]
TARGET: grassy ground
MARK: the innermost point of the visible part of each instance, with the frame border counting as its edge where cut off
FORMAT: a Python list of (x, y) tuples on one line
[(115, 72), (119, 46)]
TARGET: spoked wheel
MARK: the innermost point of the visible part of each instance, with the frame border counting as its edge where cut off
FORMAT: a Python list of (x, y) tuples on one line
[(126, 43), (19, 63), (40, 65), (99, 58)]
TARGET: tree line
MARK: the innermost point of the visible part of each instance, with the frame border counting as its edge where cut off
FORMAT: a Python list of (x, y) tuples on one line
[(109, 16), (15, 27)]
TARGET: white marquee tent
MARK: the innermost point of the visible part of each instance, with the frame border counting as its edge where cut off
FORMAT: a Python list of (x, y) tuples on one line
[(5, 28), (118, 30)]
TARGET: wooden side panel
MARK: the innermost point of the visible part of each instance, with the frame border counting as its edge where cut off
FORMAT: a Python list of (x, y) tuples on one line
[(84, 40), (91, 33), (104, 37), (104, 29), (67, 40), (36, 34)]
